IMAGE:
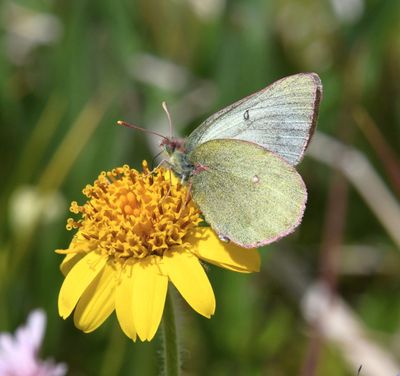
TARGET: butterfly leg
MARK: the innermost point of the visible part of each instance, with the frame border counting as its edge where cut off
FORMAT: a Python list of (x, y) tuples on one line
[(199, 168), (163, 161), (189, 190)]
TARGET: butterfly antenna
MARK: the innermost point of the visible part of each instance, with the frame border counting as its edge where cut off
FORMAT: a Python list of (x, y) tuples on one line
[(165, 108), (132, 126)]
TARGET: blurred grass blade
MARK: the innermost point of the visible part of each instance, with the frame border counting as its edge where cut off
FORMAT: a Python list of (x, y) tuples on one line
[(355, 166), (40, 138), (340, 325), (58, 168), (72, 145), (382, 148)]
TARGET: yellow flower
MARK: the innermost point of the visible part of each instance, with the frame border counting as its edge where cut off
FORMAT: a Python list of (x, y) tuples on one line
[(138, 231)]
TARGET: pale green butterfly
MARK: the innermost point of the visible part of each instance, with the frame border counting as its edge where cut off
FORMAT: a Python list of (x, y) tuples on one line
[(239, 162)]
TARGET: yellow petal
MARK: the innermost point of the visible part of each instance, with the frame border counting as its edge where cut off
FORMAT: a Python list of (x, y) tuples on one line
[(189, 277), (97, 302), (77, 280), (149, 291), (207, 246), (69, 261), (124, 302)]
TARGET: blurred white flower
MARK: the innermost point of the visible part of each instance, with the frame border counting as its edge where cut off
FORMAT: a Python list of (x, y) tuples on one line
[(19, 353), (208, 9), (28, 205), (26, 29), (348, 11)]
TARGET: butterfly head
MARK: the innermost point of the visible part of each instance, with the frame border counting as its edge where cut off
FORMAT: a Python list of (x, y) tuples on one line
[(172, 145)]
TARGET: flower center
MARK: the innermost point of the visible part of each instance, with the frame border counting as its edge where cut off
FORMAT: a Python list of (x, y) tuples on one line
[(133, 215)]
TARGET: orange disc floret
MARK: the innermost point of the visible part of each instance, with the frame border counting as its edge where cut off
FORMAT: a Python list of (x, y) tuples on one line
[(131, 214)]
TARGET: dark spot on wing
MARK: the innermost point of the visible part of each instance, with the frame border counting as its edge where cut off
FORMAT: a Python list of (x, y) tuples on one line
[(246, 115)]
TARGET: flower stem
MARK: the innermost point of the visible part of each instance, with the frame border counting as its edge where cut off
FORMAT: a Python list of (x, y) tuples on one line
[(170, 340)]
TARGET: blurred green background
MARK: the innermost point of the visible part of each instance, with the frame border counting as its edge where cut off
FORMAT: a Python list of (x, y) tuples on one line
[(70, 69)]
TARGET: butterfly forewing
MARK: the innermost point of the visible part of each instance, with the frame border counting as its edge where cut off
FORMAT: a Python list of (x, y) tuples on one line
[(281, 118), (246, 193)]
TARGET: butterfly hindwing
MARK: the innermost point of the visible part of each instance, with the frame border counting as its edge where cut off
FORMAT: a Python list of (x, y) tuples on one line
[(246, 193)]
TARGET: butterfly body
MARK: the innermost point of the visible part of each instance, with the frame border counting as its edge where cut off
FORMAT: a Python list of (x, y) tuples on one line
[(240, 161), (178, 158)]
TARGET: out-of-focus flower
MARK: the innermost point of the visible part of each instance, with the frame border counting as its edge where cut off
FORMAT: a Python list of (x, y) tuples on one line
[(348, 11), (19, 353), (138, 231), (28, 206), (26, 29)]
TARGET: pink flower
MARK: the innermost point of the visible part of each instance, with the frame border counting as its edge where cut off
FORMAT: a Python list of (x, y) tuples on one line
[(19, 353)]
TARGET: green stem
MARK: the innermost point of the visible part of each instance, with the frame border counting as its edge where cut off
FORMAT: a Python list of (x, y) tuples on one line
[(170, 340)]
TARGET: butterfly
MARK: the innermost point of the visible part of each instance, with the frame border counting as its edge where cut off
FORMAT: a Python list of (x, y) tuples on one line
[(240, 162)]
